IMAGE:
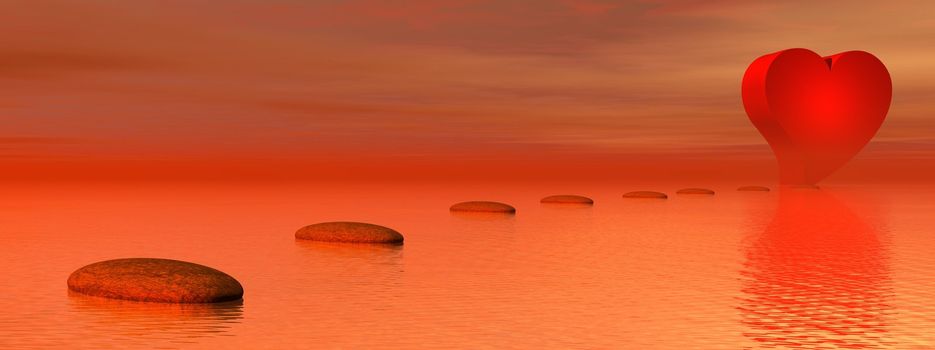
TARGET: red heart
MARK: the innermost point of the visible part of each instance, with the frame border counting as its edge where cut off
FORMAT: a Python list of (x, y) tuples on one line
[(816, 112)]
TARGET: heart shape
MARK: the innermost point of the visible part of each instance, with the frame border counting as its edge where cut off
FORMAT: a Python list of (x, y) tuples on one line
[(816, 112)]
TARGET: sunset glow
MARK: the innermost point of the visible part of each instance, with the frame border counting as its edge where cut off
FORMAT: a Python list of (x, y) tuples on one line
[(467, 174), (422, 89)]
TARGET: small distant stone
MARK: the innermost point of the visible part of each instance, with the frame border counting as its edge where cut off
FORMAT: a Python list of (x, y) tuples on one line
[(155, 280), (567, 199), (349, 232), (703, 191), (805, 187), (753, 188), (645, 194), (483, 207)]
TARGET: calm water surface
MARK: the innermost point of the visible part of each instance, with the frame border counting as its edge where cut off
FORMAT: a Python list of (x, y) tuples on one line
[(842, 267)]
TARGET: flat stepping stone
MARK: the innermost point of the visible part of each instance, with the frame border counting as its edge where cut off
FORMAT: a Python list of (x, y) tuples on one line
[(753, 188), (155, 280), (645, 194), (483, 207), (567, 199), (349, 232), (702, 191)]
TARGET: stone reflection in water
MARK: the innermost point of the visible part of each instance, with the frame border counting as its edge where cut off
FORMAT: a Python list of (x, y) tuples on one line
[(483, 216), (343, 253), (345, 268), (157, 324), (816, 276)]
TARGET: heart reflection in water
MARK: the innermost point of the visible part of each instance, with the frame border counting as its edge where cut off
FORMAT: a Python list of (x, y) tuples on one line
[(817, 275)]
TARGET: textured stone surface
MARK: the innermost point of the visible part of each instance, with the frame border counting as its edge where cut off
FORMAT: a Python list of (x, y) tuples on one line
[(483, 207), (704, 191), (155, 280), (567, 199), (645, 194), (753, 188), (349, 232)]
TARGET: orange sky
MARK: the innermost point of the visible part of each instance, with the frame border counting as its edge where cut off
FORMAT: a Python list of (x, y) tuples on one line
[(393, 89)]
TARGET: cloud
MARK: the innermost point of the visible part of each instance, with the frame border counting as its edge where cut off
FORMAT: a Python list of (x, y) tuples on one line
[(36, 140), (276, 78), (31, 64)]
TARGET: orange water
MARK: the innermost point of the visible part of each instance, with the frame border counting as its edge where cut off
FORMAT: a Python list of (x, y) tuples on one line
[(846, 266)]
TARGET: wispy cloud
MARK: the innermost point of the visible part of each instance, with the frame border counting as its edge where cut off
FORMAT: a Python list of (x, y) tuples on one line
[(199, 78)]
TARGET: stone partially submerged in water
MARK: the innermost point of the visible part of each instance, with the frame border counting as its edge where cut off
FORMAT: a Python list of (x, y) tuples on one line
[(483, 207), (753, 188), (645, 194), (567, 199), (702, 191), (155, 280), (349, 232)]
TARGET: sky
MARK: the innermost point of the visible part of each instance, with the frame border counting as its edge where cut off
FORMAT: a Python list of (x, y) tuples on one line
[(420, 89)]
